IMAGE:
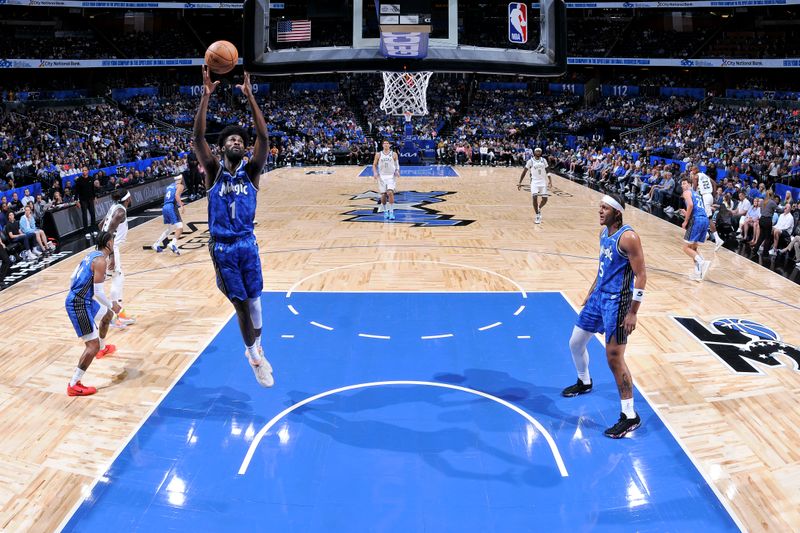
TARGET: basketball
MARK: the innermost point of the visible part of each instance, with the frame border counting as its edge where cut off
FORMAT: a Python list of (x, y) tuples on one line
[(748, 327), (221, 57)]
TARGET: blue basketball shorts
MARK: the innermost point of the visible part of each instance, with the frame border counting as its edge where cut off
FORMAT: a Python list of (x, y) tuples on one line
[(605, 312), (696, 230), (171, 214), (84, 314), (238, 267)]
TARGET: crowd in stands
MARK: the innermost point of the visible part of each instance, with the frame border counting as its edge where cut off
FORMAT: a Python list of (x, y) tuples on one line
[(737, 143), (175, 43), (650, 42), (739, 206), (53, 45), (594, 36), (52, 141)]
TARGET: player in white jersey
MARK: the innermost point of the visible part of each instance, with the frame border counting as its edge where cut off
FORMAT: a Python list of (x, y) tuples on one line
[(386, 170), (703, 184), (540, 181), (116, 223)]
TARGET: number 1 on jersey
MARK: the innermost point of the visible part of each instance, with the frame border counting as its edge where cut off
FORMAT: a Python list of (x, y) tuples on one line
[(232, 205)]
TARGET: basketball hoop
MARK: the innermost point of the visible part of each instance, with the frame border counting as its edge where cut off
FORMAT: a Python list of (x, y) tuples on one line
[(405, 93)]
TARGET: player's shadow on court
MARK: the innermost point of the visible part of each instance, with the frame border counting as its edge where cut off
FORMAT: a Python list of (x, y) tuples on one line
[(535, 399), (217, 403), (326, 416)]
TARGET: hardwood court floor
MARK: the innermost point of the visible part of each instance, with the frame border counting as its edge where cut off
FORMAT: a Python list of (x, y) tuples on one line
[(741, 430)]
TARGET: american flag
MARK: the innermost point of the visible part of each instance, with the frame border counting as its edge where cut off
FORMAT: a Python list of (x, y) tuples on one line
[(294, 30)]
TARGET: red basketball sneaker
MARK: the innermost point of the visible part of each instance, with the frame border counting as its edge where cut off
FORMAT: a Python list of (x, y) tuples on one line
[(108, 350), (79, 389)]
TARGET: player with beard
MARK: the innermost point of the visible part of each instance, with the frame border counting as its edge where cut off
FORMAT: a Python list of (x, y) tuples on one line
[(232, 185)]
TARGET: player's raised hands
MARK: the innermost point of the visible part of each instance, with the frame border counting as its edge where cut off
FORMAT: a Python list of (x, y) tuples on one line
[(246, 87), (208, 85)]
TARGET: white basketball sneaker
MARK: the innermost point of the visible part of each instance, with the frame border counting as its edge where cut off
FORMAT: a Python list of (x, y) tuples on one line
[(262, 370)]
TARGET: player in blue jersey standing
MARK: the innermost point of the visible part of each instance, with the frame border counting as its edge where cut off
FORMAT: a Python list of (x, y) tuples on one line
[(611, 307), (87, 304), (232, 185), (696, 224), (171, 212)]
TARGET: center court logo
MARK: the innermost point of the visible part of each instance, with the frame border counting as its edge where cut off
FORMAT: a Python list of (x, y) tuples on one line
[(411, 207), (739, 343)]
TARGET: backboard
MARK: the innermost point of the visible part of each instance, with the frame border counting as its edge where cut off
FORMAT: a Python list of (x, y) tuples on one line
[(323, 36)]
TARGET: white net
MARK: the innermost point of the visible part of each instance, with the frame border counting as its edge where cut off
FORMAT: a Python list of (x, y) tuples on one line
[(405, 92)]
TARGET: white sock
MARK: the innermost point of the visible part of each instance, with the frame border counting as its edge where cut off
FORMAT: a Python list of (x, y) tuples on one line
[(102, 343), (258, 341), (698, 261), (717, 237), (76, 377), (580, 356), (391, 207), (173, 242), (627, 408), (252, 352), (164, 235)]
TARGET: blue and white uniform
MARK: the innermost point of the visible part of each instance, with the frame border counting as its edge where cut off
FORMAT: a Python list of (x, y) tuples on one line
[(610, 301), (170, 210), (82, 309), (697, 227), (233, 246)]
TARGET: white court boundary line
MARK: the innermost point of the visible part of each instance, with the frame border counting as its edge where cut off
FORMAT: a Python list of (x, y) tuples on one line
[(442, 336), (257, 440), (519, 287), (722, 499), (142, 422)]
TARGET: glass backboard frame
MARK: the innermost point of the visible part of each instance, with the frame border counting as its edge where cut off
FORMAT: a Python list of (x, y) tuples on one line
[(444, 54)]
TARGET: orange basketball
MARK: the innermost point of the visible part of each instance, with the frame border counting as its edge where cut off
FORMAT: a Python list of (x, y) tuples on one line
[(221, 57)]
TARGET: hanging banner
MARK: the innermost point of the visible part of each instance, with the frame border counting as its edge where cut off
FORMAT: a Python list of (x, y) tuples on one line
[(128, 5), (674, 5), (615, 61), (685, 63), (101, 63)]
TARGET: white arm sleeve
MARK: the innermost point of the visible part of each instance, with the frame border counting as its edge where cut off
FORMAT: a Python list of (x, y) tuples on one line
[(100, 295)]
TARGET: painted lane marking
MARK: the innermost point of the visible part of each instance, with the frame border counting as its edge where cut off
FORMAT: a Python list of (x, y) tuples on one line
[(257, 440)]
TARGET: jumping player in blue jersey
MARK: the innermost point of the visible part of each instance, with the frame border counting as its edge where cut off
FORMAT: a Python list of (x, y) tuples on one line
[(171, 212), (696, 224), (232, 185), (611, 308), (87, 304)]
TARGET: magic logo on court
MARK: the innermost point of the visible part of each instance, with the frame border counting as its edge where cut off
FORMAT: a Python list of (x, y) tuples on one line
[(410, 207), (742, 344)]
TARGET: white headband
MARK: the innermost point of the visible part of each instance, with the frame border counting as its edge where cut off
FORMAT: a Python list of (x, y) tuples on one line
[(178, 178), (127, 195), (613, 203)]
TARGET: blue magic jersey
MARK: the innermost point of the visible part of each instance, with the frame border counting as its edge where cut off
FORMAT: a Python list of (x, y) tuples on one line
[(231, 204), (169, 195), (81, 284), (699, 210), (614, 275)]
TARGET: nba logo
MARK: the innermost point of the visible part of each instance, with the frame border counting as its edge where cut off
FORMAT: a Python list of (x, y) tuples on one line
[(518, 22)]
